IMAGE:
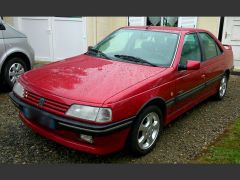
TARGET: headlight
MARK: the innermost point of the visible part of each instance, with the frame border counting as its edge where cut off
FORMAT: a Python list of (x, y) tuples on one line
[(18, 89), (90, 113)]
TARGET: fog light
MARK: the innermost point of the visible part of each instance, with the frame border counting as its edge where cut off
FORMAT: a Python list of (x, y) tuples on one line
[(86, 138)]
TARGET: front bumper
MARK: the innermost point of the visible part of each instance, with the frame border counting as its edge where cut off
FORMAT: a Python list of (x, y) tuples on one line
[(106, 138)]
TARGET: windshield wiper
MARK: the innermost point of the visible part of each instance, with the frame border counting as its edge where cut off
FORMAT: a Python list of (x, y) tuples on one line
[(97, 52), (134, 59)]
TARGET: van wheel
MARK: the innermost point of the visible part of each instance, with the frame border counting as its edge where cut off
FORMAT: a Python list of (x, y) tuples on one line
[(222, 88), (146, 131), (12, 70)]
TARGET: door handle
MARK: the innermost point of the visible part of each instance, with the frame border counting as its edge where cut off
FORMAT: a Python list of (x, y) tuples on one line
[(203, 76)]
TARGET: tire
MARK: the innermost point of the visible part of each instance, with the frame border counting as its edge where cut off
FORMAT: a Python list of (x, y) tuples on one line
[(139, 145), (12, 70), (222, 88)]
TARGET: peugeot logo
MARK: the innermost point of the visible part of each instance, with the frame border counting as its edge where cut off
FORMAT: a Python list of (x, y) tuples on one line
[(41, 101)]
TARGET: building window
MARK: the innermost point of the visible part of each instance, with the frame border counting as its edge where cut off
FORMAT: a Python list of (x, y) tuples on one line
[(154, 20), (162, 21), (188, 22)]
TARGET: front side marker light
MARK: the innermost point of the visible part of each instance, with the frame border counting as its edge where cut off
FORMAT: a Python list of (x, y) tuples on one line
[(86, 138)]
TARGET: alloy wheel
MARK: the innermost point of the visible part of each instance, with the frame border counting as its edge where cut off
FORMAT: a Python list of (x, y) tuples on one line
[(15, 71), (148, 130), (223, 86)]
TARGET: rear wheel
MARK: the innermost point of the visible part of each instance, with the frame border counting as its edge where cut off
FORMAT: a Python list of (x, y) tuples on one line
[(146, 131), (222, 88), (12, 70)]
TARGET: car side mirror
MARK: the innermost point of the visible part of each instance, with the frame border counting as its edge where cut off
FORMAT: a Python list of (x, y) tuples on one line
[(2, 27), (191, 65)]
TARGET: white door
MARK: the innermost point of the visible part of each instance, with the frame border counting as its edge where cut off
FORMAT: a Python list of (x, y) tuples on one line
[(231, 36), (54, 38), (137, 21), (69, 36), (38, 31), (187, 22)]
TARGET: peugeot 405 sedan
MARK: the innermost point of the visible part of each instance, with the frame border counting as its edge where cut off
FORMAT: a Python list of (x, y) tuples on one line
[(16, 55), (123, 91)]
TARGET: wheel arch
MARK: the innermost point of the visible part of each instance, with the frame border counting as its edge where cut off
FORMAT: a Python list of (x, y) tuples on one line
[(227, 72), (158, 101), (19, 54)]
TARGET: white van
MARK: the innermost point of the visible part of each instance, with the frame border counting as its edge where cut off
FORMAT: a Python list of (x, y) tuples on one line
[(16, 55)]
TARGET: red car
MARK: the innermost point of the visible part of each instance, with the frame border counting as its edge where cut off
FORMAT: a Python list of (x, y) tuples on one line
[(124, 90)]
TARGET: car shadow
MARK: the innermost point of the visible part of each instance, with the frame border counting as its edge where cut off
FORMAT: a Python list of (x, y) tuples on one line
[(3, 89)]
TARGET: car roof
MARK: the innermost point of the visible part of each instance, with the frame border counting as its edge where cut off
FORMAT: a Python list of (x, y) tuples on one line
[(165, 28)]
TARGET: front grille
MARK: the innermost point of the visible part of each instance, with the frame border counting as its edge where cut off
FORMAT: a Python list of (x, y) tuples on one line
[(48, 105)]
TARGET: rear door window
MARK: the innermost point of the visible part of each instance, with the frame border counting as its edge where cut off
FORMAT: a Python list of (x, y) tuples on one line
[(210, 47)]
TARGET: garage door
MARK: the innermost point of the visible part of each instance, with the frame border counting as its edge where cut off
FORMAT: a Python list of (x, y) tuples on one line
[(231, 35), (54, 38)]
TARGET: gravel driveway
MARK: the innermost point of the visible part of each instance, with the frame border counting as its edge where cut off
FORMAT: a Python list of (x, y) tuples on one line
[(182, 140)]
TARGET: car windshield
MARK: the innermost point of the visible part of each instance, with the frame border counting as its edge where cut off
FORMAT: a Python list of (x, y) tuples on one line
[(156, 48)]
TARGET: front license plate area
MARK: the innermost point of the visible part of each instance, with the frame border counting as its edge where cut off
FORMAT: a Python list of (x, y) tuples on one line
[(39, 117)]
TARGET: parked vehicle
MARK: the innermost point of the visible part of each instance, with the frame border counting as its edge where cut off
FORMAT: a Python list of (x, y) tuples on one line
[(124, 90), (16, 55)]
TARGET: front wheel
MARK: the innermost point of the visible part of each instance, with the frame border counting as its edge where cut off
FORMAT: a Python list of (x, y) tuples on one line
[(146, 130), (222, 88), (12, 70)]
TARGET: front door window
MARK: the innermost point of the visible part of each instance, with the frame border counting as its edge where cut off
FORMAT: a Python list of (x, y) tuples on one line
[(191, 49)]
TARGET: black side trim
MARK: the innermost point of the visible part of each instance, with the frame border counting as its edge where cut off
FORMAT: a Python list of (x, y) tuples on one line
[(75, 125), (213, 80), (189, 93), (193, 91), (171, 102)]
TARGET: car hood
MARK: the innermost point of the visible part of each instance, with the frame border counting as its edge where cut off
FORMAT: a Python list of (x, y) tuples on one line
[(87, 78)]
